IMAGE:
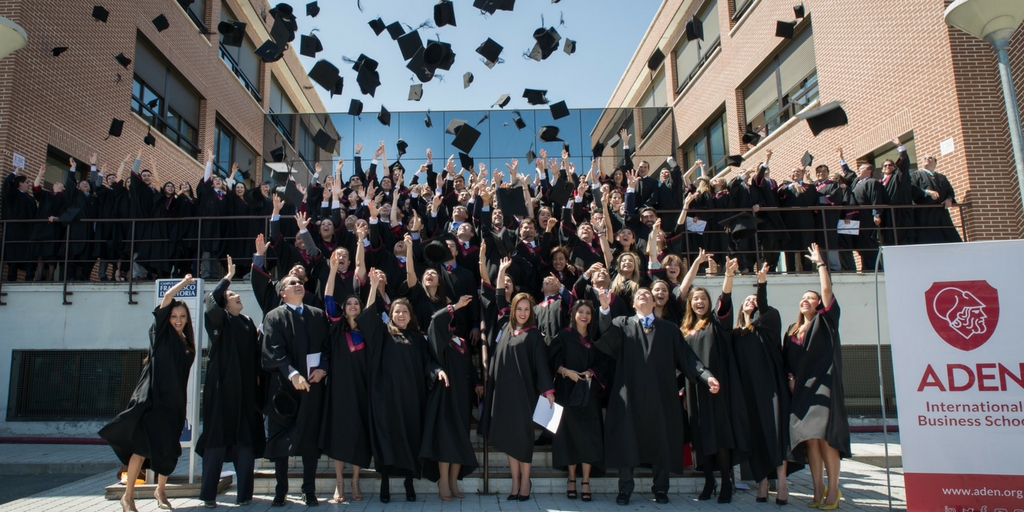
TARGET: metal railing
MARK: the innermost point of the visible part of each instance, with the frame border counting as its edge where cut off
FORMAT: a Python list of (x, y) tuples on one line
[(237, 70)]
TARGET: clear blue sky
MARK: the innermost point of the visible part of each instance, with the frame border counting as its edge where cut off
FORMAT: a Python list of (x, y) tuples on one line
[(607, 33)]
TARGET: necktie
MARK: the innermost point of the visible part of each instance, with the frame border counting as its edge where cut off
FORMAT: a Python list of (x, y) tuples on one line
[(299, 310), (885, 179), (449, 267)]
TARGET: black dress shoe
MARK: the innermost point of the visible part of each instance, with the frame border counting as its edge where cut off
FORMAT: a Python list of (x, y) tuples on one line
[(660, 497), (310, 500), (622, 499), (410, 490), (278, 501)]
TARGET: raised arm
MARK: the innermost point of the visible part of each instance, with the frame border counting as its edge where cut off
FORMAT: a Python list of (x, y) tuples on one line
[(823, 276), (169, 296), (410, 263), (484, 275), (731, 264), (691, 275), (360, 256)]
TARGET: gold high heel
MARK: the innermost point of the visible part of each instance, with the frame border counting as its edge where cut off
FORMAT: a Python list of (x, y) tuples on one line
[(125, 507), (834, 505), (819, 503), (161, 501)]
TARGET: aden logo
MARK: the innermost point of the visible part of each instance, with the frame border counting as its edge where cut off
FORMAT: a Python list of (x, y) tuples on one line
[(963, 313)]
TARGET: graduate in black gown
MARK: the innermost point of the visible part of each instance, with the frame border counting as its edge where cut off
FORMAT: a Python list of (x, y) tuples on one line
[(447, 450), (583, 372), (345, 434), (717, 422), (818, 428), (18, 204), (644, 422), (232, 416), (400, 370), (757, 346), (149, 430)]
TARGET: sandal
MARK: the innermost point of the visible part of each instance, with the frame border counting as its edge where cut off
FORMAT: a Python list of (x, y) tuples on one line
[(586, 496), (571, 494), (357, 493)]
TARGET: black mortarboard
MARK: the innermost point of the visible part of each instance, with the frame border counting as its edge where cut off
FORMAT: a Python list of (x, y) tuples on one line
[(559, 110), (116, 125), (438, 55), (312, 9), (310, 45), (402, 146), (269, 51), (122, 60), (427, 121), (364, 62), (518, 120), (281, 33), (598, 150), (467, 79), (415, 92), (292, 194), (694, 29), (741, 226), (490, 51), (824, 117), (100, 13), (656, 59), (368, 81), (324, 141), (807, 159), (409, 44), (423, 72), (339, 86), (798, 11), (384, 116), (436, 251), (547, 42), (149, 139), (444, 13), (488, 6), (565, 147), (355, 108), (454, 126), (734, 160), (535, 96), (245, 174), (325, 74), (395, 30), (285, 406), (570, 46), (378, 26), (512, 202), (161, 23), (502, 101), (530, 155), (233, 32), (71, 215), (57, 50), (751, 138), (549, 134), (466, 161), (466, 138), (785, 29), (277, 155), (397, 166)]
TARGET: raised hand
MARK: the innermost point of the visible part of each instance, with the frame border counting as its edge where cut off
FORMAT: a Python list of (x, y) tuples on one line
[(505, 264), (593, 269), (335, 261), (375, 278), (624, 135), (209, 155), (840, 151), (416, 223), (379, 151), (552, 224), (632, 178), (371, 207), (463, 301), (430, 155), (316, 167), (815, 255), (234, 168), (604, 295), (278, 203), (302, 220), (762, 275), (231, 268), (483, 248), (703, 257), (359, 147), (261, 246), (731, 266), (92, 159)]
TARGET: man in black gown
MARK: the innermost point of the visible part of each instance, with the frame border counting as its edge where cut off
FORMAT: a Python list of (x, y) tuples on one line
[(291, 333)]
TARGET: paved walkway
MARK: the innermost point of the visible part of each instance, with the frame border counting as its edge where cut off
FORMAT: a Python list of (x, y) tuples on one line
[(863, 484)]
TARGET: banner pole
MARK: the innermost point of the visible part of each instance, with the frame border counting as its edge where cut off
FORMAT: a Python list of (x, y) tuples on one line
[(881, 383)]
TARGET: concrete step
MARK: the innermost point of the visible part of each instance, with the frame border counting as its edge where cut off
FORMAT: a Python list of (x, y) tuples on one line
[(497, 460)]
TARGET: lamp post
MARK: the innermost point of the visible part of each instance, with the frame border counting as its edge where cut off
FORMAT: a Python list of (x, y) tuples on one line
[(995, 21), (12, 37)]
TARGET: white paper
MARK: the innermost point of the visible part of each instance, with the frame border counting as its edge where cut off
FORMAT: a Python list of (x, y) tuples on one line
[(848, 227), (696, 226), (946, 147), (546, 416), (18, 161), (312, 361)]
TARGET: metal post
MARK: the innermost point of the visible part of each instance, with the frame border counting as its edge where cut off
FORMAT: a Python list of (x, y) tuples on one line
[(3, 245), (1012, 114), (67, 243), (131, 266)]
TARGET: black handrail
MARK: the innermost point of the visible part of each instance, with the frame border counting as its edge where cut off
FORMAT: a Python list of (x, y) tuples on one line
[(237, 70)]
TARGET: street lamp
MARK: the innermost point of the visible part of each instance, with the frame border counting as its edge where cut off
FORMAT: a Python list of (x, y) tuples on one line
[(12, 37), (995, 21)]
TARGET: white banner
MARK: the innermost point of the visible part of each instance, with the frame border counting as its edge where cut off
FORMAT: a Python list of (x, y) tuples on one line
[(955, 324)]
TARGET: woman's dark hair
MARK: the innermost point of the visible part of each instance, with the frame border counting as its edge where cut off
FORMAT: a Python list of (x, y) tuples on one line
[(801, 320), (344, 324), (413, 327), (189, 338), (692, 322), (591, 328), (672, 307), (531, 321)]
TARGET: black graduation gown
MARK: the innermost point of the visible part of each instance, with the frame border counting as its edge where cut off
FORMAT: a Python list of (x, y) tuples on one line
[(765, 388), (232, 406), (48, 237), (152, 423), (240, 233), (142, 202), (818, 407), (900, 187), (345, 434), (293, 417), (113, 204), (157, 251), (212, 206), (446, 426), (17, 205), (518, 374), (717, 421), (400, 370), (935, 225), (826, 221), (580, 436), (422, 307), (184, 234), (799, 222), (81, 234), (644, 424), (552, 314), (763, 192)]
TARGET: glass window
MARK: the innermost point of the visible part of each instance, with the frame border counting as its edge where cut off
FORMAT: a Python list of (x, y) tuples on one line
[(281, 105), (163, 98), (709, 144), (307, 151), (229, 148), (691, 55), (741, 7), (241, 59), (787, 84)]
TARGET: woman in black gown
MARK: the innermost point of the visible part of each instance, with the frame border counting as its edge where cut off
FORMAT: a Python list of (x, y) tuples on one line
[(583, 372), (345, 435), (757, 345), (818, 427), (149, 430), (717, 422)]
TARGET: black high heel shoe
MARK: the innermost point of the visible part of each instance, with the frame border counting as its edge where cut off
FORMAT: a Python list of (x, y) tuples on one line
[(710, 487), (726, 495), (586, 496), (526, 497), (410, 490), (570, 494), (385, 490), (513, 497)]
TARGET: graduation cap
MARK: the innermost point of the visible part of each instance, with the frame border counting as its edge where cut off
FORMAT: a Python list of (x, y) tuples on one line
[(503, 100), (161, 23), (530, 155), (734, 160), (292, 194), (70, 215), (741, 226), (395, 30), (436, 252), (785, 29), (444, 13), (549, 134), (402, 146), (598, 150), (324, 141), (807, 159), (535, 96), (368, 80), (559, 110), (466, 161), (384, 116), (798, 11), (438, 55), (122, 60), (310, 45), (149, 139), (269, 51), (415, 92), (245, 174), (355, 108), (377, 25), (489, 6), (423, 72), (466, 138), (116, 126), (454, 126), (409, 44), (518, 120), (467, 79), (570, 47), (396, 167), (751, 138), (694, 29), (57, 50), (427, 121), (547, 42), (325, 74), (312, 9), (656, 59), (565, 147), (512, 202), (364, 62), (490, 51), (285, 406), (233, 32), (824, 117), (277, 155), (99, 13)]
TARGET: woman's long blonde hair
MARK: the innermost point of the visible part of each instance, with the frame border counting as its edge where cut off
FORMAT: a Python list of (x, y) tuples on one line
[(692, 322), (622, 285)]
